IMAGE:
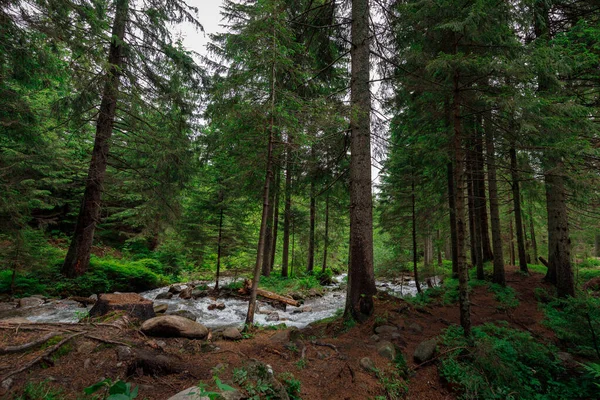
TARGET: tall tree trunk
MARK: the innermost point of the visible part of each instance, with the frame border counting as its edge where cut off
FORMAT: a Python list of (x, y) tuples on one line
[(532, 233), (266, 259), (452, 209), (512, 243), (439, 248), (310, 264), (219, 237), (326, 238), (428, 250), (275, 220), (499, 275), (361, 280), (459, 178), (78, 255), (265, 211), (596, 245), (287, 211), (526, 240), (471, 209), (480, 199), (560, 272), (414, 238), (517, 207)]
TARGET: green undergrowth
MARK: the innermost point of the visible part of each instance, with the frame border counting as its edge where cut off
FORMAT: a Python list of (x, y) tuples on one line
[(303, 284), (505, 363), (576, 322)]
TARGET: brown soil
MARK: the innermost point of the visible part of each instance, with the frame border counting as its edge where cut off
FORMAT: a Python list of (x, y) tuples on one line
[(327, 375)]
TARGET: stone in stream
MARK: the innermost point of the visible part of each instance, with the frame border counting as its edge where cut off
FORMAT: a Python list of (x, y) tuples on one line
[(185, 314), (174, 326), (186, 293), (132, 303), (164, 296), (161, 308), (271, 317), (232, 334), (175, 289), (425, 350), (198, 293), (27, 302), (193, 393)]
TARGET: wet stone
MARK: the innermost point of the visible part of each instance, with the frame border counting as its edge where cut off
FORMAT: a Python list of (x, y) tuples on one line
[(367, 364)]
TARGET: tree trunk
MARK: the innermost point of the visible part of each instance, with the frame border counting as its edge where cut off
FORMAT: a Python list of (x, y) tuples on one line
[(596, 244), (532, 233), (78, 255), (439, 248), (452, 208), (471, 209), (310, 264), (275, 220), (480, 199), (517, 207), (219, 237), (512, 243), (361, 280), (559, 272), (459, 178), (326, 238), (414, 238), (266, 267), (499, 274), (265, 211), (287, 211)]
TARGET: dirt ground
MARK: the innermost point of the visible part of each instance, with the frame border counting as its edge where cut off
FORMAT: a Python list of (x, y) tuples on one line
[(332, 354)]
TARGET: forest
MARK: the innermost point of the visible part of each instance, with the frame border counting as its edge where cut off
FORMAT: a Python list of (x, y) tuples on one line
[(338, 199)]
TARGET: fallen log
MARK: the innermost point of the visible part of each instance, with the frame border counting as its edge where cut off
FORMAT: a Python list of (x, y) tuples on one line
[(247, 289), (543, 261)]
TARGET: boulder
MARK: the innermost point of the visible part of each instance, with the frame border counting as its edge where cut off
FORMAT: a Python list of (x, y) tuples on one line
[(27, 302), (211, 307), (185, 314), (174, 326), (161, 308), (164, 296), (415, 328), (124, 353), (220, 306), (132, 303), (232, 334), (186, 293), (198, 293), (175, 289), (192, 393), (367, 364), (387, 350), (274, 316), (154, 363), (425, 350)]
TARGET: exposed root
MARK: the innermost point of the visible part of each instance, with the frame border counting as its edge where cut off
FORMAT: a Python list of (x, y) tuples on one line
[(29, 345)]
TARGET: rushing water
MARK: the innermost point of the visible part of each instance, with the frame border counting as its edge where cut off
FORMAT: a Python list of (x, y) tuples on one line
[(233, 314)]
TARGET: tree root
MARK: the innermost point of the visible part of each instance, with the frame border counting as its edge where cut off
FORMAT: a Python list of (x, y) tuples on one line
[(45, 354), (29, 345)]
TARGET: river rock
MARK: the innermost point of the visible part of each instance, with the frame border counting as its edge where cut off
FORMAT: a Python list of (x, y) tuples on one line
[(415, 328), (220, 306), (272, 317), (124, 353), (164, 296), (387, 350), (161, 308), (425, 350), (185, 314), (186, 293), (132, 303), (367, 364), (154, 363), (174, 326), (192, 393), (175, 289), (27, 302), (198, 293), (232, 334)]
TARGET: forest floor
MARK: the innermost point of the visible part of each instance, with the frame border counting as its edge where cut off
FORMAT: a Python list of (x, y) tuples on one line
[(324, 357)]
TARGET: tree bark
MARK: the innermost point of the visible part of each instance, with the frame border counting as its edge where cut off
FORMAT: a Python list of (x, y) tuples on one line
[(471, 209), (266, 267), (219, 238), (439, 248), (459, 178), (361, 280), (596, 244), (287, 211), (532, 233), (78, 256), (512, 243), (480, 196), (310, 264), (517, 208), (414, 238), (326, 238), (559, 272), (275, 220), (499, 275), (452, 208)]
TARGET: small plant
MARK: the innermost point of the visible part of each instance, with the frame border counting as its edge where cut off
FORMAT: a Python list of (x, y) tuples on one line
[(506, 296), (292, 385), (301, 364), (204, 392), (113, 391), (40, 391), (394, 386)]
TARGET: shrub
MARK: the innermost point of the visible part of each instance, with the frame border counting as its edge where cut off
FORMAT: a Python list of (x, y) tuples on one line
[(505, 363)]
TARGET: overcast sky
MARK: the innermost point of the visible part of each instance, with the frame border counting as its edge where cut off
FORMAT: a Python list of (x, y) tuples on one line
[(210, 18)]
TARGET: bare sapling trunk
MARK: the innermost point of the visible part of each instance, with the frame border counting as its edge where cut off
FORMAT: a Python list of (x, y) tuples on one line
[(517, 207), (414, 238), (326, 238), (287, 210), (78, 256)]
